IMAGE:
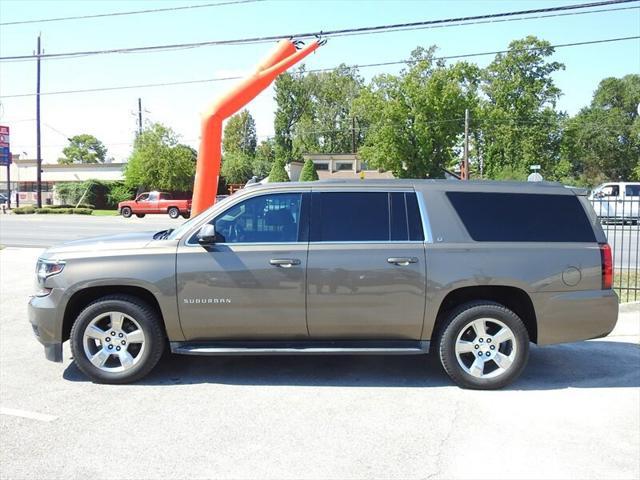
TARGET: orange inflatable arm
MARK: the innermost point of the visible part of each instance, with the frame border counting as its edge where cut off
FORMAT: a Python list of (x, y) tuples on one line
[(281, 58)]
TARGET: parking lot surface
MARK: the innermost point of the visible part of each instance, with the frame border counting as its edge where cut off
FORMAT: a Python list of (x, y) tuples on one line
[(575, 413)]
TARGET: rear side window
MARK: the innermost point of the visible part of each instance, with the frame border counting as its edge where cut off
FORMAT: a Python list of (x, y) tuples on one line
[(522, 217), (632, 190), (365, 217)]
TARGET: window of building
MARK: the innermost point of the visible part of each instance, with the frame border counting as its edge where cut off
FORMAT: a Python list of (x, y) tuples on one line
[(344, 166), (522, 217), (322, 166)]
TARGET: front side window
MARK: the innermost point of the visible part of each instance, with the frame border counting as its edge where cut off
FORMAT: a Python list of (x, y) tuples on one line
[(610, 191), (143, 198), (262, 219)]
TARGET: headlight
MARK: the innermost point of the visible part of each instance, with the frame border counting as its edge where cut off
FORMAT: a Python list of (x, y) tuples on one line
[(47, 268)]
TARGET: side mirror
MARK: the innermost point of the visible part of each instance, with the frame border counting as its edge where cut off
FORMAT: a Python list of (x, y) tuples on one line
[(207, 235)]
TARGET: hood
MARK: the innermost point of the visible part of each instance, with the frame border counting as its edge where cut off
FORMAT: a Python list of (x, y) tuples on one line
[(122, 241)]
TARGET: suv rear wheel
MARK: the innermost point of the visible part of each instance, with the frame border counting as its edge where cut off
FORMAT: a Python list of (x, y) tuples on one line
[(117, 339), (174, 212), (483, 345)]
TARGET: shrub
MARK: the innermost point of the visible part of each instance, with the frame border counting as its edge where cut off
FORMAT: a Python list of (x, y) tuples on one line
[(308, 173), (278, 172), (81, 211), (68, 206), (24, 210)]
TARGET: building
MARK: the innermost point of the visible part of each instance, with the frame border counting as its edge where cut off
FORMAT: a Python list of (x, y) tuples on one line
[(24, 178), (336, 165)]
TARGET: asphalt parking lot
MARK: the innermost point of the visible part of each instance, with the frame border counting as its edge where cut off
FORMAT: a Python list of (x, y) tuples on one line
[(575, 413)]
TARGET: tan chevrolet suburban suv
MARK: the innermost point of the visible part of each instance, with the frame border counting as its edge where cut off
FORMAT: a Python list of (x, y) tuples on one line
[(470, 271)]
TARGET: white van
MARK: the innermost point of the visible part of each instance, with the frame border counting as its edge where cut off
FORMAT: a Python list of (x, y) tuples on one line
[(617, 201)]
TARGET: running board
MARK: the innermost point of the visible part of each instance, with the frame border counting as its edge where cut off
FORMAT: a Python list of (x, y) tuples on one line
[(399, 347)]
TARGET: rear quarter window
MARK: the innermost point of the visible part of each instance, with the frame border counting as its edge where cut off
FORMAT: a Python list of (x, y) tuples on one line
[(522, 217)]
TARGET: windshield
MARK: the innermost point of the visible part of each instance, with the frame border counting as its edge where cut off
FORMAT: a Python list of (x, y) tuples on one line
[(186, 226)]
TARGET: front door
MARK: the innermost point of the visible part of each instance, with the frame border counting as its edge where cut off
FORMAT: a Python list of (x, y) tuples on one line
[(251, 283), (366, 268)]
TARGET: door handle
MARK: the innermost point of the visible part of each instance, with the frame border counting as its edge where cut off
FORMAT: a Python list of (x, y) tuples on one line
[(284, 262), (403, 261)]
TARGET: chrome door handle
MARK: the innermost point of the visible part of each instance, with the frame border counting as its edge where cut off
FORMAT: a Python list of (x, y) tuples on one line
[(284, 262), (403, 261)]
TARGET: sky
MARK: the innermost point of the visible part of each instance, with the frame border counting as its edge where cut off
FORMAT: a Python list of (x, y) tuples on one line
[(112, 115)]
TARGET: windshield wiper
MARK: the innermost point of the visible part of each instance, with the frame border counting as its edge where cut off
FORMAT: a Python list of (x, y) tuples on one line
[(162, 234)]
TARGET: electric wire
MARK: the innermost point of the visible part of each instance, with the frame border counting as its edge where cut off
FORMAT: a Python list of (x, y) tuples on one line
[(326, 34), (316, 70)]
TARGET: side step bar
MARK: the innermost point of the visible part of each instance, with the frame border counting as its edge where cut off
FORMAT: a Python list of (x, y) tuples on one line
[(400, 347)]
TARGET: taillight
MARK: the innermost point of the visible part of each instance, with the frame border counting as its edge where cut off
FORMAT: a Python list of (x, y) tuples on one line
[(607, 266)]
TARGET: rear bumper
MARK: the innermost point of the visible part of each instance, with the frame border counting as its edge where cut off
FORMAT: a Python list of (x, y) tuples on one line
[(47, 323), (574, 316)]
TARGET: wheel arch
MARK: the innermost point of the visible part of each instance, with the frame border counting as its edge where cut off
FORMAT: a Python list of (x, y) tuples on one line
[(83, 297), (514, 298)]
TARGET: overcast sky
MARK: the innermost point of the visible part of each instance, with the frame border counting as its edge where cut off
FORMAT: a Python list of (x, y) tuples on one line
[(110, 115)]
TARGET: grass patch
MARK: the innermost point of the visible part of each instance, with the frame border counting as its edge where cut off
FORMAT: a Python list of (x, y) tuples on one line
[(105, 213), (624, 283)]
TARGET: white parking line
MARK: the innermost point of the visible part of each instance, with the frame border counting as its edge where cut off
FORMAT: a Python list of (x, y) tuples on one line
[(43, 417)]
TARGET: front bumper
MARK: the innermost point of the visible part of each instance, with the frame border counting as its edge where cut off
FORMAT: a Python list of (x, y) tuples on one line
[(46, 322)]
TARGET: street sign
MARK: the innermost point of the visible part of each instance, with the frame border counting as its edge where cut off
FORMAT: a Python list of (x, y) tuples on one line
[(534, 177), (5, 154), (534, 167)]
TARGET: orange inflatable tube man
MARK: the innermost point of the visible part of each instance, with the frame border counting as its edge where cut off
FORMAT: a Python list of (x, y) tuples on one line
[(285, 55)]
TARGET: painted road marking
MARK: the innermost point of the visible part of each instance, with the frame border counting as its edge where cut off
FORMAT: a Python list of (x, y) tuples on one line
[(43, 417)]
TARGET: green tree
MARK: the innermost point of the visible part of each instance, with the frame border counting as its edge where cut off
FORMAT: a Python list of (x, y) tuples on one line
[(602, 142), (293, 99), (278, 172), (240, 134), (159, 162), (265, 156), (83, 148), (519, 124), (236, 167), (416, 119), (308, 173)]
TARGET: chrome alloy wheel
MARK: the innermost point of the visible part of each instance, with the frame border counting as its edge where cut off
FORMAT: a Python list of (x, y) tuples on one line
[(114, 342), (486, 348)]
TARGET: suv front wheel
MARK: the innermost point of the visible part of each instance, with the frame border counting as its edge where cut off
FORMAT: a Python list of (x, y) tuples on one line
[(483, 345), (117, 339)]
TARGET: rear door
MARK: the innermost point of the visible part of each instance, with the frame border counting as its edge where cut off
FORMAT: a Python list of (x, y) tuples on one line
[(366, 273)]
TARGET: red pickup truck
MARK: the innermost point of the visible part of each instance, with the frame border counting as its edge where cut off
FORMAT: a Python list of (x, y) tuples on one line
[(155, 202)]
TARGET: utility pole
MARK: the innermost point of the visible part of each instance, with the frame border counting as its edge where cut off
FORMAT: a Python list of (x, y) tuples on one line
[(38, 146), (464, 171), (353, 134), (139, 116)]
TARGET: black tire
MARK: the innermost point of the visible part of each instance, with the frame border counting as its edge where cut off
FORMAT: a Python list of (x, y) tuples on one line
[(140, 215), (174, 212), (186, 215), (457, 323), (126, 212), (132, 307)]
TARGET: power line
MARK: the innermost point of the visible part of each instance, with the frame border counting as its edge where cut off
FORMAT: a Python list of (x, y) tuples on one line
[(134, 12), (341, 32), (317, 70)]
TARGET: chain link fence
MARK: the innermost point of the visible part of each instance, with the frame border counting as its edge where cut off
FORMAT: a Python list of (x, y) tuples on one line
[(620, 220)]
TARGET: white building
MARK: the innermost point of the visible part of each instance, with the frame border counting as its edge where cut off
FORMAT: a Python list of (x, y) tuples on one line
[(24, 177)]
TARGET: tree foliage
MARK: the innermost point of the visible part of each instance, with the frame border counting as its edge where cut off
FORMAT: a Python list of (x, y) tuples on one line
[(264, 158), (308, 173), (83, 148), (416, 118), (236, 167), (240, 134), (159, 162), (603, 140)]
